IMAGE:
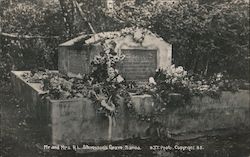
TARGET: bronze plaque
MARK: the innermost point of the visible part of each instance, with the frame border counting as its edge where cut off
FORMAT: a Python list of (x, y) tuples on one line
[(139, 64)]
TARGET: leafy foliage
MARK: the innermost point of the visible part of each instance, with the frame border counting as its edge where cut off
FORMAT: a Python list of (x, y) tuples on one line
[(208, 39), (30, 19), (109, 90), (104, 86)]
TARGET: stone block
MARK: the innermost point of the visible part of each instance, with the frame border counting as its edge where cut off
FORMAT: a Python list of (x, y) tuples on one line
[(30, 92)]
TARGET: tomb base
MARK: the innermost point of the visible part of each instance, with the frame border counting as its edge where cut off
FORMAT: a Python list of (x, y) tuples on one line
[(75, 121)]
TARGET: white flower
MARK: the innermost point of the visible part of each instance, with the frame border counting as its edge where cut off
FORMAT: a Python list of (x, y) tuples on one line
[(179, 69), (152, 81), (172, 66), (219, 76), (119, 79), (171, 70), (109, 63), (110, 107), (79, 76), (111, 70), (174, 80), (138, 35), (177, 74), (122, 57), (185, 73), (203, 87), (184, 82)]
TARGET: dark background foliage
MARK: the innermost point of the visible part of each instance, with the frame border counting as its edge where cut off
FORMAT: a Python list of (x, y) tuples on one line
[(207, 36), (35, 20)]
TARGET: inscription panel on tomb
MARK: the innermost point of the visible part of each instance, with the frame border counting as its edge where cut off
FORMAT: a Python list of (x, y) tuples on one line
[(77, 62), (139, 64)]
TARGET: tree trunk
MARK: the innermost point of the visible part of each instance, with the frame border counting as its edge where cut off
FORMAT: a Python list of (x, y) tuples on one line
[(68, 16), (84, 16)]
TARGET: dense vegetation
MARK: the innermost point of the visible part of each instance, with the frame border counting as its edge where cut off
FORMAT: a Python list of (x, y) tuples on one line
[(208, 36)]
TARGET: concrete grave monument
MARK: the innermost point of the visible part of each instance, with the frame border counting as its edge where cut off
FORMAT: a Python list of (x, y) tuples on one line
[(75, 121), (144, 53)]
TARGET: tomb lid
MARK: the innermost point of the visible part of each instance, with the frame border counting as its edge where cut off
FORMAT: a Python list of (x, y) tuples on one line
[(71, 42)]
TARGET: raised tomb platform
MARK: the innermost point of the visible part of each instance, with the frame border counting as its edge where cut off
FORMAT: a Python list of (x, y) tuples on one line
[(75, 121)]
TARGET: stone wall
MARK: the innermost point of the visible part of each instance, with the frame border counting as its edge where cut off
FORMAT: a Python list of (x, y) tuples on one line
[(231, 110), (76, 121)]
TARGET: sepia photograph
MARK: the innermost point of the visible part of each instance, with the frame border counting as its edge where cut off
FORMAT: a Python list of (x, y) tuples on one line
[(124, 78)]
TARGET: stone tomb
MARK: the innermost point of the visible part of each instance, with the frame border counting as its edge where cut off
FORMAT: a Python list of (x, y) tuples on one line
[(75, 121), (141, 59)]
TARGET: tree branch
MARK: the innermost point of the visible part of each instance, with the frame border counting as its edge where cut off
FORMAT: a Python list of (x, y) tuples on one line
[(14, 35), (83, 16)]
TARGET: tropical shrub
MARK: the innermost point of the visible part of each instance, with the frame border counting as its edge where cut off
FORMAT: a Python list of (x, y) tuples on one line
[(33, 35), (207, 38)]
